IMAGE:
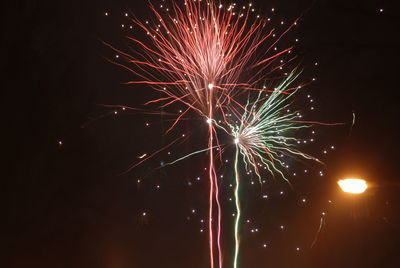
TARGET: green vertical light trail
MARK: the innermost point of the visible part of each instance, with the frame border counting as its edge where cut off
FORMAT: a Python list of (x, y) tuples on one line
[(237, 203)]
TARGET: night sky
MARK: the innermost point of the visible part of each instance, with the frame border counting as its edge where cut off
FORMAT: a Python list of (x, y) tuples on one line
[(66, 202)]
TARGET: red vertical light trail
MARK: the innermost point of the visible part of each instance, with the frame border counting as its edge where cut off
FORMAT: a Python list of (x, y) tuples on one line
[(211, 193)]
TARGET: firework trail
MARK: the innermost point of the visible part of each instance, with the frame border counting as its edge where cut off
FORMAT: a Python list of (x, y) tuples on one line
[(203, 55), (237, 204), (352, 123), (321, 225)]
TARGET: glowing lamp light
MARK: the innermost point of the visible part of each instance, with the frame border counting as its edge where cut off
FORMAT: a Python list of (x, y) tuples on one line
[(353, 186), (210, 86), (236, 140)]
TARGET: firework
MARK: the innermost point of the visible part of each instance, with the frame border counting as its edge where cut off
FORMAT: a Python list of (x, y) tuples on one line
[(204, 55), (200, 54), (266, 132)]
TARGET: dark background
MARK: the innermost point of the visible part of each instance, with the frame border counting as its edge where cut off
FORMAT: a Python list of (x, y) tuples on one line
[(65, 205)]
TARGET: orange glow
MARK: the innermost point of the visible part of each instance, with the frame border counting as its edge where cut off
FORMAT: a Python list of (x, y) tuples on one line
[(353, 186)]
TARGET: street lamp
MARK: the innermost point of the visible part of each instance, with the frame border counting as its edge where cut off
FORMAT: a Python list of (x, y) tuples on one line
[(353, 185)]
